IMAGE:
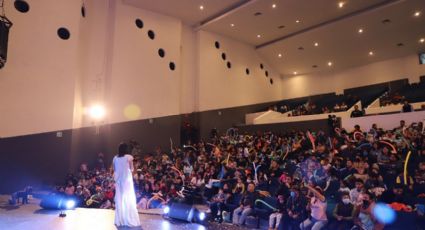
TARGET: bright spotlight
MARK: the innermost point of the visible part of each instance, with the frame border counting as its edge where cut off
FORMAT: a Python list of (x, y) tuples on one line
[(166, 210), (202, 216), (384, 213), (70, 204), (97, 112)]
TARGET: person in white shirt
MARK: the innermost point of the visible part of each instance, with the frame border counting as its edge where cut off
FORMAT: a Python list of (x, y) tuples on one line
[(318, 205)]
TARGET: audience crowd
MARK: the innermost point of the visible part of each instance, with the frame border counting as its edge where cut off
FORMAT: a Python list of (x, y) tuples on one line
[(299, 180)]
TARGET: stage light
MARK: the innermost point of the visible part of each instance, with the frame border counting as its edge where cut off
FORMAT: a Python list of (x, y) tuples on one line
[(97, 112), (417, 14), (202, 216), (384, 213), (70, 204), (166, 210)]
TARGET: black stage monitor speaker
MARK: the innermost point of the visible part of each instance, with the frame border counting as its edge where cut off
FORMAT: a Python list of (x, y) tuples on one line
[(182, 211)]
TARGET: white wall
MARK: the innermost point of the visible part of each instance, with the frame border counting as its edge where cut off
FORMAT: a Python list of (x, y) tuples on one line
[(138, 75), (37, 82), (325, 82), (220, 87), (48, 83)]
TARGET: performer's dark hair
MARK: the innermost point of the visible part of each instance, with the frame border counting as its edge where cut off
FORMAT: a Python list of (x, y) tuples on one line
[(122, 149)]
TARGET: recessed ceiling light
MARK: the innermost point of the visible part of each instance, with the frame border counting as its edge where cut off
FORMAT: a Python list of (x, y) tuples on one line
[(281, 27), (274, 6), (422, 40), (330, 63), (257, 14), (258, 35), (201, 7), (295, 72), (279, 55), (314, 66), (417, 13), (360, 30), (316, 44), (297, 21), (371, 53), (232, 25), (341, 4)]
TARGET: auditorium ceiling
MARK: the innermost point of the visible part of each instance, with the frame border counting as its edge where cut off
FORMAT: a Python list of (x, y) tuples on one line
[(308, 36)]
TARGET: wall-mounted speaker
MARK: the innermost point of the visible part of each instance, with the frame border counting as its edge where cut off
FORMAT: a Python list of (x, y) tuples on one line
[(5, 25)]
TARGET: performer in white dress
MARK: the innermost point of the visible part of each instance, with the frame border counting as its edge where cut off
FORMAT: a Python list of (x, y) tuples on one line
[(126, 213)]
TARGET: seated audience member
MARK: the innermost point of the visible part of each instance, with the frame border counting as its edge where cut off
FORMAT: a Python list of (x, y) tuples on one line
[(356, 191), (295, 209), (356, 112), (275, 217), (337, 107), (240, 187), (397, 194), (247, 204), (318, 205), (70, 189), (343, 213), (343, 106), (407, 108), (218, 205), (364, 218)]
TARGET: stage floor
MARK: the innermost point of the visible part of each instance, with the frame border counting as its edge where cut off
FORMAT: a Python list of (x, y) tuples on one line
[(31, 216)]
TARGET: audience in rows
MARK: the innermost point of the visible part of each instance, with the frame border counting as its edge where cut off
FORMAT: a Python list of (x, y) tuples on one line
[(306, 179)]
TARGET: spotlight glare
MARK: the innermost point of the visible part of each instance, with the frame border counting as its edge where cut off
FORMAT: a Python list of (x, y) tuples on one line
[(274, 6), (330, 63), (166, 210), (341, 4), (371, 53), (202, 216), (232, 25), (417, 14), (258, 35), (360, 31), (279, 55), (70, 204), (316, 44), (422, 40), (295, 73), (201, 7), (383, 213), (97, 112)]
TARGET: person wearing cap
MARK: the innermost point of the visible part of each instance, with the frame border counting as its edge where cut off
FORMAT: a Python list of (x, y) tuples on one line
[(318, 205)]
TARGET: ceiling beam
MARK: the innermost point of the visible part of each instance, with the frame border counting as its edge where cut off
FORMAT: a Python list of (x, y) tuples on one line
[(224, 13), (368, 9)]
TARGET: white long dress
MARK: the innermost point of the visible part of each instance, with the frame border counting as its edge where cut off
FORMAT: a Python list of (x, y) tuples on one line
[(126, 213)]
